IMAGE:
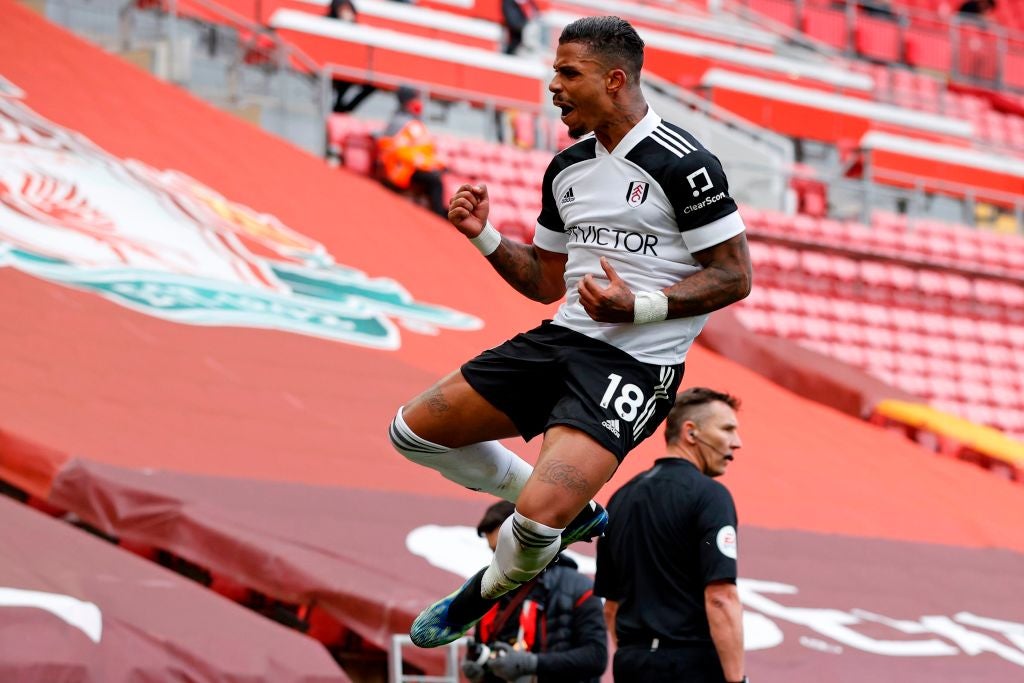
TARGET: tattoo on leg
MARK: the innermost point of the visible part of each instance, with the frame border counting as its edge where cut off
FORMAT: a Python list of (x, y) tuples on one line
[(436, 402), (561, 474)]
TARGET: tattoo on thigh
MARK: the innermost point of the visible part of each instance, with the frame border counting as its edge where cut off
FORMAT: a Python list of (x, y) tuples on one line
[(561, 474), (436, 402)]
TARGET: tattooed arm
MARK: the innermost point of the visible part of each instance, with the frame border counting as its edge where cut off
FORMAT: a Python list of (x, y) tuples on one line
[(535, 273), (724, 279)]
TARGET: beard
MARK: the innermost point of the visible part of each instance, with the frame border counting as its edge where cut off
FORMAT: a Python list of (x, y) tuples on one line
[(578, 132)]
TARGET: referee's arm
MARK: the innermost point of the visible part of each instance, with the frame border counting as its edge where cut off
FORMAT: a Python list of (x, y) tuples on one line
[(725, 618), (611, 608)]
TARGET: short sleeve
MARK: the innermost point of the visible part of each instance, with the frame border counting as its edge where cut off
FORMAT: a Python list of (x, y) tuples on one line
[(699, 192), (550, 232), (716, 524)]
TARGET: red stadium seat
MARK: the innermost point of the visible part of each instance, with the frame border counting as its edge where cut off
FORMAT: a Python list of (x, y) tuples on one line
[(359, 153), (874, 315), (817, 306), (997, 355), (913, 363), (1009, 419), (826, 25), (980, 414), (782, 300), (817, 328), (942, 388), (877, 38), (969, 351), (850, 333), (942, 367), (940, 347), (779, 10), (912, 384), (881, 358), (928, 48), (850, 354), (879, 338), (754, 319), (1006, 395), (975, 392), (911, 342), (1015, 336), (935, 324), (784, 325)]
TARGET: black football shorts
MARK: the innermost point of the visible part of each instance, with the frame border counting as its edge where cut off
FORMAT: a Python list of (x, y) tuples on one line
[(552, 375)]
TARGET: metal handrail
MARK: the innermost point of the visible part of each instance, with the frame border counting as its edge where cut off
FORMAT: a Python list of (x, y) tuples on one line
[(368, 75), (236, 20), (396, 675)]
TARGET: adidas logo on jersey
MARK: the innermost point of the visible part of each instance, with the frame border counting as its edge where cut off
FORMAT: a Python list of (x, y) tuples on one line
[(612, 426), (568, 197)]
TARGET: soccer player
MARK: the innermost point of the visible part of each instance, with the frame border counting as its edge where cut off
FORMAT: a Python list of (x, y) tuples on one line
[(638, 231)]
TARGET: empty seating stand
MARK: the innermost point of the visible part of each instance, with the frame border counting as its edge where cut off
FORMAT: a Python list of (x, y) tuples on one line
[(955, 339)]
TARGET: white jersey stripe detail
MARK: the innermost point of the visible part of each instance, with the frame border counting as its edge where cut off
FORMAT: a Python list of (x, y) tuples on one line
[(660, 391), (677, 136), (660, 133), (667, 146)]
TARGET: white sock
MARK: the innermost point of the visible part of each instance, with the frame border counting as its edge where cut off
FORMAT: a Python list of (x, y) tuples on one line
[(525, 548), (485, 466)]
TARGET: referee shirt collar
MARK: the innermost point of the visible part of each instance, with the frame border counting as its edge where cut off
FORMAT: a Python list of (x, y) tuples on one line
[(674, 461), (642, 129)]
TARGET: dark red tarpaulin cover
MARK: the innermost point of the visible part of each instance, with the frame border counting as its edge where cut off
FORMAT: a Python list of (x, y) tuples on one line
[(75, 608), (204, 437)]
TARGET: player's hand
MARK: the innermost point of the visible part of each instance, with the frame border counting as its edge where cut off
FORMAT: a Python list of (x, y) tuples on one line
[(611, 304), (473, 671), (468, 209), (511, 664)]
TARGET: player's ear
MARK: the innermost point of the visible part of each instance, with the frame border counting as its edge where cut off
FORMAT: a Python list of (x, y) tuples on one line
[(615, 80)]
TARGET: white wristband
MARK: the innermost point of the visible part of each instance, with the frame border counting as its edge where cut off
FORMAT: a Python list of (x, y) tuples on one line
[(488, 241), (650, 307)]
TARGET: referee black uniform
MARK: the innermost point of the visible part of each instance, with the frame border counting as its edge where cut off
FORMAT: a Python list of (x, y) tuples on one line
[(672, 532)]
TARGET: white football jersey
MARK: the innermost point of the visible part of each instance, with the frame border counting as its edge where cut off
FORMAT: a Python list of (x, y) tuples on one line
[(646, 206)]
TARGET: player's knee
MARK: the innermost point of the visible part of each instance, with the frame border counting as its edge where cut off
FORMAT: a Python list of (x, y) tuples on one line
[(406, 442)]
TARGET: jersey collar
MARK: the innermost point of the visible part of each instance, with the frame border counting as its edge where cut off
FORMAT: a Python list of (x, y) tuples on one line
[(642, 129)]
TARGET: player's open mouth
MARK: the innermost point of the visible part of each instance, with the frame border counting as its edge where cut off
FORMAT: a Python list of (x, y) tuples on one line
[(566, 109)]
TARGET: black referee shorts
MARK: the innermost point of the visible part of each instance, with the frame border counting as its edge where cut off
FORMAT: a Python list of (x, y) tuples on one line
[(686, 664), (552, 375)]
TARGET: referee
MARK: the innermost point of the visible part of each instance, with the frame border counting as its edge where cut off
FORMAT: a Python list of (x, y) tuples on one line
[(667, 564)]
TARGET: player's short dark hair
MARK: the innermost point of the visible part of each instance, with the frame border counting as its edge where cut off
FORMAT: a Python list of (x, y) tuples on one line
[(494, 517), (611, 38), (687, 403)]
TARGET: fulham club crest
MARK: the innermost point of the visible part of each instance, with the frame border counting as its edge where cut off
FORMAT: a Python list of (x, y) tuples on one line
[(637, 193)]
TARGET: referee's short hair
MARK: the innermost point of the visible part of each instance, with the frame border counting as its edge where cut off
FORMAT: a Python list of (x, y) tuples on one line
[(688, 403), (611, 38), (494, 517)]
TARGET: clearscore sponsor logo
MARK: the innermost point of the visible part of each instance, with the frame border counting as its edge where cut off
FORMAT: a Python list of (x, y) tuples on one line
[(704, 202)]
